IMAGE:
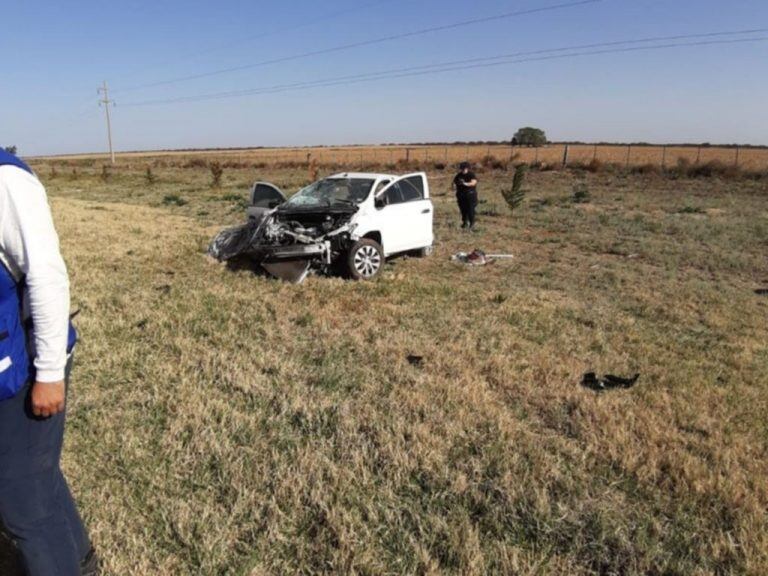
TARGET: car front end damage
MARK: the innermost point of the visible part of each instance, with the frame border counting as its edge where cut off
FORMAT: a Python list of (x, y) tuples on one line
[(289, 242)]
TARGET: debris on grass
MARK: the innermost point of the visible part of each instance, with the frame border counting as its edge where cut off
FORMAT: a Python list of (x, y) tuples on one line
[(415, 360), (477, 257), (608, 382)]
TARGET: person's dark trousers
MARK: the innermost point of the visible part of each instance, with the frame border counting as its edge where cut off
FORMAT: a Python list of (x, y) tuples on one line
[(36, 507), (467, 205)]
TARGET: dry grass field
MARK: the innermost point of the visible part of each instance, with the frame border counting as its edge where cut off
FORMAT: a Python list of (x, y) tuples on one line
[(221, 422), (750, 159)]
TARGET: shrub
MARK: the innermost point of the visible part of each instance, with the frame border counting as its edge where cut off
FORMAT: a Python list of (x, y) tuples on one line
[(195, 163), (439, 166), (149, 176), (514, 196), (106, 173), (646, 169), (493, 163), (216, 173), (581, 193), (174, 199)]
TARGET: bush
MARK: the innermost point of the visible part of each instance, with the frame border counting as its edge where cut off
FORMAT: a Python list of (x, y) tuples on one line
[(646, 169), (195, 163), (106, 173), (514, 196), (174, 199), (493, 163), (581, 193), (149, 176), (216, 173)]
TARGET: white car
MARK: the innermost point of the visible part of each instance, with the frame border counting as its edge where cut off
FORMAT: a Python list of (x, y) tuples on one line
[(351, 220)]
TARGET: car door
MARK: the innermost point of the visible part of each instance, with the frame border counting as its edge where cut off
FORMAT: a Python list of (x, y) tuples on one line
[(264, 197), (404, 214)]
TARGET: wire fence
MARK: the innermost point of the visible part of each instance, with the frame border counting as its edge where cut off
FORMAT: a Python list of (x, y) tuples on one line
[(552, 155), (446, 156)]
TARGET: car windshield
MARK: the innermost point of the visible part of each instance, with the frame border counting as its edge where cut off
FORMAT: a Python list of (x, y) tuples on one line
[(333, 191)]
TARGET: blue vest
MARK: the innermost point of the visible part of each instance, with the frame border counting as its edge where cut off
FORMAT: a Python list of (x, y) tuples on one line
[(16, 367)]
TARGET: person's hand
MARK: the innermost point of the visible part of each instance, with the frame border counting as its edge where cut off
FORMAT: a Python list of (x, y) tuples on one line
[(47, 398)]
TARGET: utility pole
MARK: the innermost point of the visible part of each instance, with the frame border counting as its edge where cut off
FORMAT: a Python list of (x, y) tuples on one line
[(107, 102)]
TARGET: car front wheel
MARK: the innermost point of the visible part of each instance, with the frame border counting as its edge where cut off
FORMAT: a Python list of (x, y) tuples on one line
[(365, 259)]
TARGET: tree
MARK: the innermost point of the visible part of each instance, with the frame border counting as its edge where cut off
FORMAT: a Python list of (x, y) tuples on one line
[(11, 149), (530, 136)]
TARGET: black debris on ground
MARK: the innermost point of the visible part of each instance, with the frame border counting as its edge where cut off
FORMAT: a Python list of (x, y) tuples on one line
[(608, 382)]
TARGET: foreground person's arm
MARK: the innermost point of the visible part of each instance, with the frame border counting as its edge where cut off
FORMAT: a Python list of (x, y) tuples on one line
[(29, 243)]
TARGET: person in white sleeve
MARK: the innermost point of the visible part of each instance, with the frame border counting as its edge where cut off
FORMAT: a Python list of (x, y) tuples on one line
[(37, 341)]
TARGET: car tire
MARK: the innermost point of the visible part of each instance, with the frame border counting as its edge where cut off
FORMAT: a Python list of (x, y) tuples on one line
[(365, 260), (424, 252)]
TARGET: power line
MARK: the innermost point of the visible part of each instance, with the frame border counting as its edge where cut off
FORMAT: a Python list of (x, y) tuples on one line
[(480, 62), (370, 42), (274, 31)]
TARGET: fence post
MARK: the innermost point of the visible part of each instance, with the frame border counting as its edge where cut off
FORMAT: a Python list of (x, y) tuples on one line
[(698, 155), (629, 151), (565, 156), (736, 158), (664, 157), (407, 154)]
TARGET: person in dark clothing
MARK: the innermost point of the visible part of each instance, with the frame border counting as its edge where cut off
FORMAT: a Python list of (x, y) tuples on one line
[(465, 183)]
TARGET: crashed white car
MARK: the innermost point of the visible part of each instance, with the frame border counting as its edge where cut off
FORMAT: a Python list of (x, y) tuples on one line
[(350, 222)]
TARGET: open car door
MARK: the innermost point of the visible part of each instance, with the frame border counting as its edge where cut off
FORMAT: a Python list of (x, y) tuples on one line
[(404, 214), (264, 197)]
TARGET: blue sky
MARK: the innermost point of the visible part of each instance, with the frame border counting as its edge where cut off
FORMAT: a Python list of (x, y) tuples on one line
[(57, 53)]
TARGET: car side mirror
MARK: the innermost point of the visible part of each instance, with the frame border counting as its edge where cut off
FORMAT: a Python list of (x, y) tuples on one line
[(380, 202), (274, 203)]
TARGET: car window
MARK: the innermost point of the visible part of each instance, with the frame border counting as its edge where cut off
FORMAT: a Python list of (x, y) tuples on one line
[(412, 188), (380, 186), (393, 195), (264, 195)]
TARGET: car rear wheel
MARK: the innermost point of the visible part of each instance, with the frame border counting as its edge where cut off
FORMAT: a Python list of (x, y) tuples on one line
[(365, 259)]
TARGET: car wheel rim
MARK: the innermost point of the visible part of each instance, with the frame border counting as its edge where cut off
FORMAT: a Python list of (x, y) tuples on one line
[(367, 261)]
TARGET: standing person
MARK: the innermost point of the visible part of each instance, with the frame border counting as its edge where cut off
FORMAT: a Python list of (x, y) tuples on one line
[(465, 183), (36, 343)]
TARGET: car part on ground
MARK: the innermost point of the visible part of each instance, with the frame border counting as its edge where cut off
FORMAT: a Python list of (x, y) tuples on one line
[(478, 258), (352, 221), (609, 381)]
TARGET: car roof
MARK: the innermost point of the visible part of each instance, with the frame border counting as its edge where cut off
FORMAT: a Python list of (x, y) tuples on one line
[(371, 175)]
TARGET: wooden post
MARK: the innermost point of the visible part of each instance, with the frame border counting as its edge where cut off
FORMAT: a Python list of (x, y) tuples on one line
[(736, 158), (466, 153), (536, 156), (565, 156), (407, 154), (594, 153), (698, 155), (629, 151), (664, 157)]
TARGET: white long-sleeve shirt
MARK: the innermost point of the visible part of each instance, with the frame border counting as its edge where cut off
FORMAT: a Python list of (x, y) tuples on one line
[(29, 246)]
